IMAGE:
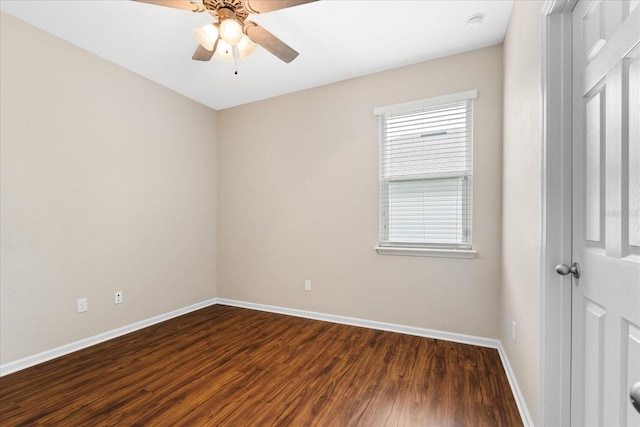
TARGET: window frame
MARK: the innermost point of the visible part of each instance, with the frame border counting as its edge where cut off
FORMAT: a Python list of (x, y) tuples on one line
[(449, 250)]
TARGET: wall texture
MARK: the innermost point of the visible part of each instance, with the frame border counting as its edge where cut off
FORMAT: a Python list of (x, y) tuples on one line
[(108, 183), (521, 192), (298, 199)]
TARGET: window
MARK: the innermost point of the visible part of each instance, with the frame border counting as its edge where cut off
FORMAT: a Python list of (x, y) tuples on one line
[(426, 176)]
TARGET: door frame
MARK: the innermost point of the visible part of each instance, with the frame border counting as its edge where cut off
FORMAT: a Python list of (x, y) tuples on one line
[(556, 188)]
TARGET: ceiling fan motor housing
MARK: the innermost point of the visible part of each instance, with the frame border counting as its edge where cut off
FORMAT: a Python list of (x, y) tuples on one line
[(221, 9)]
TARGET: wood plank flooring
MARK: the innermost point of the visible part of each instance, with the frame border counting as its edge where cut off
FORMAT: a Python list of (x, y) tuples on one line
[(227, 366)]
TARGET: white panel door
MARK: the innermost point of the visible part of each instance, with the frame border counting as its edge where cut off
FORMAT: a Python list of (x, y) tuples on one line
[(606, 212)]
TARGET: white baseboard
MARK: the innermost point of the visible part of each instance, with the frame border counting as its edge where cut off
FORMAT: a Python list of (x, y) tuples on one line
[(517, 394), (45, 356), (408, 330), (372, 324), (27, 362)]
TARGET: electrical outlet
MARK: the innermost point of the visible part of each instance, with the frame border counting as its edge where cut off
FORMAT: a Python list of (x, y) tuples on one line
[(307, 285), (513, 330), (117, 297), (83, 305)]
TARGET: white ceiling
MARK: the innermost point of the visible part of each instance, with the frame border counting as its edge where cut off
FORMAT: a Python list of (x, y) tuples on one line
[(337, 40)]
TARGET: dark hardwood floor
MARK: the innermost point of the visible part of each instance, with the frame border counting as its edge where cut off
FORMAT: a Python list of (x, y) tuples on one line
[(226, 366)]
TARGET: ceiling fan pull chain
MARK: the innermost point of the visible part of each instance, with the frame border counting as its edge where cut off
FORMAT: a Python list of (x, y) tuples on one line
[(234, 49)]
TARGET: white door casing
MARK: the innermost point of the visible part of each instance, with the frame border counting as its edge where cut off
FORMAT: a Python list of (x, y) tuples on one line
[(555, 290), (605, 349)]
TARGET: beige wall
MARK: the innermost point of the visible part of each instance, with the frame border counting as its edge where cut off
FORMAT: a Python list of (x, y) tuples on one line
[(298, 199), (108, 183), (521, 197)]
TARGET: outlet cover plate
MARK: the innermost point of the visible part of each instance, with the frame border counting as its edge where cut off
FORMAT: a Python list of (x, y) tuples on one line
[(82, 305)]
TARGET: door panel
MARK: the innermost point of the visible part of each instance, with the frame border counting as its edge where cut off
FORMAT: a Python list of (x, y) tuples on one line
[(606, 214), (633, 369), (634, 153), (594, 333), (594, 166)]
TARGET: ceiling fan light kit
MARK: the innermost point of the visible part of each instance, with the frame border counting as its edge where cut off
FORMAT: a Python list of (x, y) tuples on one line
[(232, 37)]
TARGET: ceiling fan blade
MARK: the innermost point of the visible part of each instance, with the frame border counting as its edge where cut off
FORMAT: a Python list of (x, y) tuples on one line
[(270, 42), (202, 54), (263, 6), (193, 6)]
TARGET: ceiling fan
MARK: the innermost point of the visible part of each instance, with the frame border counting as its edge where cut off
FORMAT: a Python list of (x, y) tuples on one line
[(232, 36)]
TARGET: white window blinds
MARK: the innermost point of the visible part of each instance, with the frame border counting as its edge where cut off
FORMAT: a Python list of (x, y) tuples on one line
[(426, 173)]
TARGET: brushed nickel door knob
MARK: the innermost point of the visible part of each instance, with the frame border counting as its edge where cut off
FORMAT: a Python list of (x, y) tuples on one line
[(564, 269)]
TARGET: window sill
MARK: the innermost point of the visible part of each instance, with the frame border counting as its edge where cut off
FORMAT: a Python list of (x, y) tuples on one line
[(431, 252)]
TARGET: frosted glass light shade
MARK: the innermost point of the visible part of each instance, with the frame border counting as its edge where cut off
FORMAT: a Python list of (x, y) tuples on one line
[(246, 46), (207, 36), (230, 31), (225, 51)]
